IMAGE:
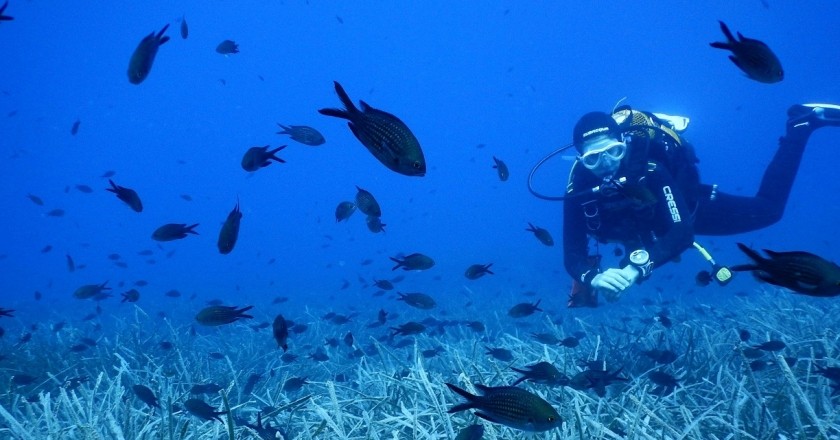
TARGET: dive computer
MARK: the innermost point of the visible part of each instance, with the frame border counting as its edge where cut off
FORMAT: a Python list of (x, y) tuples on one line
[(640, 258)]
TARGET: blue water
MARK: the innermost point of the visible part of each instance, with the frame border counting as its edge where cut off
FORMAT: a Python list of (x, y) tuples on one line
[(471, 79)]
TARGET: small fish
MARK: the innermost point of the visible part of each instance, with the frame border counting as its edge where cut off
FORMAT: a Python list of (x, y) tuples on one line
[(230, 231), (501, 168), (348, 339), (383, 284), (417, 300), (173, 231), (35, 199), (259, 157), (187, 197), (173, 293), (202, 410), (185, 31), (502, 354), (294, 384), (127, 195), (146, 395), (753, 57), (383, 134), (522, 310), (367, 203), (74, 130), (227, 47), (703, 278), (542, 373), (374, 224), (477, 271), (132, 295), (801, 272), (107, 174), (252, 381), (46, 249), (90, 290), (144, 56), (509, 406), (221, 315), (5, 17), (84, 188), (344, 210), (303, 134), (472, 432), (281, 332), (415, 261), (407, 329), (542, 235), (772, 345), (57, 212), (744, 335)]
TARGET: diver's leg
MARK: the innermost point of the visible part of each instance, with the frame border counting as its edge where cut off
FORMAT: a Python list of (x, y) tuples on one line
[(725, 214)]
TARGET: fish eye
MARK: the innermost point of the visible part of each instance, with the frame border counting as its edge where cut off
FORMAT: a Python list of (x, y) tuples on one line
[(416, 165), (550, 418)]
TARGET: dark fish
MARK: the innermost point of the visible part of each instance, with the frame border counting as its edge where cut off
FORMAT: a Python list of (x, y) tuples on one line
[(173, 231), (46, 249), (145, 395), (216, 355), (597, 380), (57, 212), (542, 235), (173, 293), (801, 272), (472, 432), (23, 379), (74, 130), (753, 57), (542, 373), (281, 332), (407, 329), (84, 188), (663, 357), (367, 203), (383, 134), (546, 338), (131, 296), (127, 195), (744, 335), (344, 210), (202, 410), (259, 157), (522, 310), (502, 354), (141, 283), (187, 197), (144, 56), (418, 300), (303, 134), (230, 231), (185, 31), (772, 345), (107, 174), (5, 17), (374, 224), (413, 262), (35, 199), (476, 326), (348, 339), (570, 342), (221, 315), (477, 271), (501, 168), (166, 345), (509, 406), (294, 384), (90, 290), (227, 47), (383, 284), (252, 381)]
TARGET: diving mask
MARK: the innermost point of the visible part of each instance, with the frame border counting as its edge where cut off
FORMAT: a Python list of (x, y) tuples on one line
[(613, 150)]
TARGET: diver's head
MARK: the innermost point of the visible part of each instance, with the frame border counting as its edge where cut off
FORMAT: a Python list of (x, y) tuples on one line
[(597, 139)]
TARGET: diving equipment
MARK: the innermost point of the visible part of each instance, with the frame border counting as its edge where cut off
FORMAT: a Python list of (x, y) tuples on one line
[(640, 259), (813, 115)]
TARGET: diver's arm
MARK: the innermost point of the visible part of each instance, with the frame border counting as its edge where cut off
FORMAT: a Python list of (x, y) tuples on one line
[(576, 243), (672, 216)]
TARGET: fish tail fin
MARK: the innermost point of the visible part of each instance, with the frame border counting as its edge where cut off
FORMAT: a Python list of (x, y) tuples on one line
[(723, 27), (399, 263), (463, 393), (531, 228), (349, 107), (189, 229), (241, 312), (487, 269), (114, 188), (753, 255), (273, 157), (285, 129)]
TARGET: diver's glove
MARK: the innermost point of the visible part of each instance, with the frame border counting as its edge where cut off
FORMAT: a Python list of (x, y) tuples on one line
[(613, 281)]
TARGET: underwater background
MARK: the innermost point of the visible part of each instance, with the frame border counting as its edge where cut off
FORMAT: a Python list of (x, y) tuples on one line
[(472, 80)]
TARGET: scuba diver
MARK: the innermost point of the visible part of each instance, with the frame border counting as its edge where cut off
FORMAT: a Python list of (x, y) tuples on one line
[(635, 182)]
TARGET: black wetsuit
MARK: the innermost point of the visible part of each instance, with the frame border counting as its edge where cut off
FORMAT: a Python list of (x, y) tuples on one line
[(652, 212)]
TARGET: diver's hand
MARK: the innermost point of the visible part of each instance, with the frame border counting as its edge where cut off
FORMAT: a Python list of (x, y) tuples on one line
[(613, 281)]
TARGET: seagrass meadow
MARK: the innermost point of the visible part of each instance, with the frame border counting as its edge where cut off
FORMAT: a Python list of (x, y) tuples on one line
[(392, 388)]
